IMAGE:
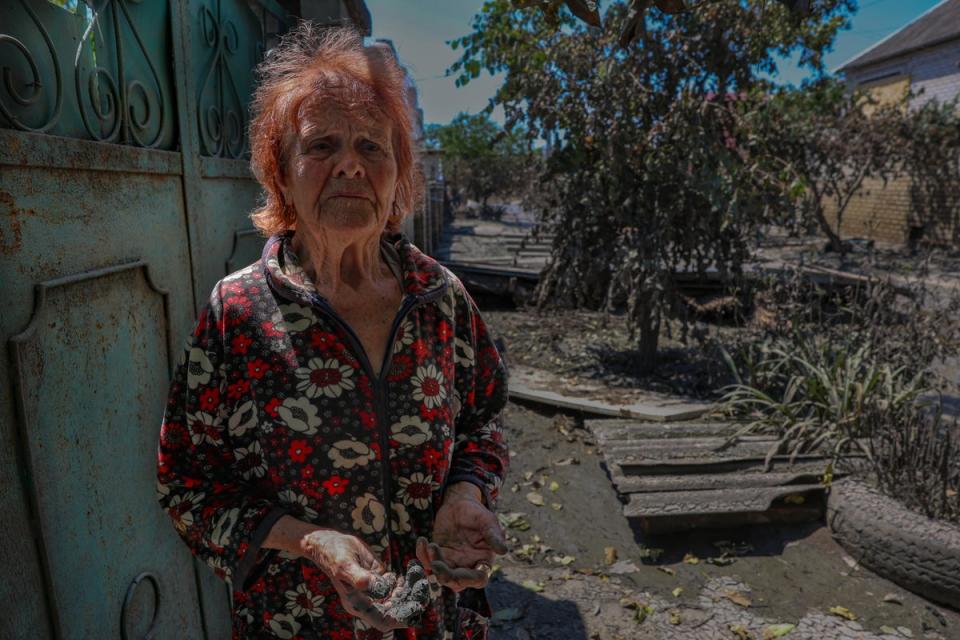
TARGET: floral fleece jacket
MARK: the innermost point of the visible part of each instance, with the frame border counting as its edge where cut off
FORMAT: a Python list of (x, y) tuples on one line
[(274, 409)]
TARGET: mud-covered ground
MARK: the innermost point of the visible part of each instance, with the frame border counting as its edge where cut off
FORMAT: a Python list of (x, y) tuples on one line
[(597, 347), (557, 582)]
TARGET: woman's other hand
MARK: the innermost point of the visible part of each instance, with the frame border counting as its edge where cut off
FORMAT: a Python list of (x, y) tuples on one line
[(466, 537)]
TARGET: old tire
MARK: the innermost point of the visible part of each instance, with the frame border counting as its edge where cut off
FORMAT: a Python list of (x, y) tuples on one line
[(916, 552)]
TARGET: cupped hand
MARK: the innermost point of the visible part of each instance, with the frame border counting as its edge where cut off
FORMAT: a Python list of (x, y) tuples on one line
[(466, 538), (360, 579)]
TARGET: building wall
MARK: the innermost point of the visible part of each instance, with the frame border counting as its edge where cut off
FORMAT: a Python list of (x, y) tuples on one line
[(934, 71), (885, 213)]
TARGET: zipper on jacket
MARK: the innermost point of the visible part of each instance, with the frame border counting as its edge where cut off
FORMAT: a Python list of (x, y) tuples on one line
[(377, 378)]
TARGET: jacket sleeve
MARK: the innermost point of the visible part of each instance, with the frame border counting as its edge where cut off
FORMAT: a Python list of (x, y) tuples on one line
[(480, 453), (221, 516)]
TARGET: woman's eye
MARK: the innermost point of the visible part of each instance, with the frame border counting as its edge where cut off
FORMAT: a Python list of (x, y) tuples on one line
[(371, 146), (320, 146)]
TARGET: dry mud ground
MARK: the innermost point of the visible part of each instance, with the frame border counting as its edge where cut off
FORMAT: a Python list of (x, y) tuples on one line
[(779, 575)]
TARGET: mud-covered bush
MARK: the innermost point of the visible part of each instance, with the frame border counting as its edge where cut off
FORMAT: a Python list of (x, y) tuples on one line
[(826, 369)]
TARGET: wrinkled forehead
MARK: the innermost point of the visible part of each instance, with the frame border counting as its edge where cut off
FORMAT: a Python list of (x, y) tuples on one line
[(318, 114)]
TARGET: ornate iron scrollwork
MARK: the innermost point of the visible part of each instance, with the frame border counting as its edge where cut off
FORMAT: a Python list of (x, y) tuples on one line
[(222, 129), (35, 84), (109, 98), (151, 630)]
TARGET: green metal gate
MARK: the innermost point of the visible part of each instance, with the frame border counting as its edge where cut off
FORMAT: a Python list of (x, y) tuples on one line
[(124, 196)]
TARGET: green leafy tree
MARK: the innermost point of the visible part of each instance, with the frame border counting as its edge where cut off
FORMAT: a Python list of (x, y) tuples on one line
[(655, 168), (480, 157)]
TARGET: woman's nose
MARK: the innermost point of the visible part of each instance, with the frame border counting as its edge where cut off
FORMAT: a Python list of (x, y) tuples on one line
[(348, 166)]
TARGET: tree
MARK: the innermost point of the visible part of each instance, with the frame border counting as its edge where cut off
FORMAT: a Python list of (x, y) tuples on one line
[(656, 168), (833, 142), (480, 157)]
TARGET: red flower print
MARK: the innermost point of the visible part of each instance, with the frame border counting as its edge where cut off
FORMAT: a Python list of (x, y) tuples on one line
[(323, 340), (240, 344), (428, 414), (431, 457), (342, 634), (238, 389), (368, 419), (236, 310), (210, 399), (257, 368), (269, 329), (271, 407), (335, 485), (401, 368), (443, 330), (375, 447), (420, 349), (174, 435), (299, 450), (307, 471)]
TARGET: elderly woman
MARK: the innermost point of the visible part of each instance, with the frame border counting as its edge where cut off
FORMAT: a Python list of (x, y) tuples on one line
[(332, 445)]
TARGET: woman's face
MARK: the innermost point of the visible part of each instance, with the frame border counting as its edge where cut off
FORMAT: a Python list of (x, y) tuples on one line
[(341, 174)]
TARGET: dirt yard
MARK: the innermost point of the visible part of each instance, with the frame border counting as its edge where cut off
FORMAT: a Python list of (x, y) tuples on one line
[(557, 584)]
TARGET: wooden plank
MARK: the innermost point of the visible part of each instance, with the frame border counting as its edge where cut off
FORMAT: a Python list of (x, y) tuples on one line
[(519, 391), (671, 511), (705, 465), (811, 474), (698, 448), (612, 429)]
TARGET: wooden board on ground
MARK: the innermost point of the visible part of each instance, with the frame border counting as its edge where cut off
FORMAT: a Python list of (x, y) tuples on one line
[(686, 475), (545, 388), (667, 512)]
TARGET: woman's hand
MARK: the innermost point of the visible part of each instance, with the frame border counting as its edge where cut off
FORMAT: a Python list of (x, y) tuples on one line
[(466, 537), (359, 577)]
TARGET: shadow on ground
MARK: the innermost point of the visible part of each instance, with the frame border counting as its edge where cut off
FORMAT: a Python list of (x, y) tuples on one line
[(524, 613)]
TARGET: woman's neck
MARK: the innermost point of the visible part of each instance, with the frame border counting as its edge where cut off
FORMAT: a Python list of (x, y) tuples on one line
[(335, 263)]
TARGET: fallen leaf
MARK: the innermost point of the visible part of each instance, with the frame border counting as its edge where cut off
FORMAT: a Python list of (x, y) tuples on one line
[(514, 520), (667, 570), (853, 564), (623, 566), (843, 612), (556, 506), (554, 486), (777, 631), (677, 592), (721, 561), (527, 475), (506, 615), (515, 487), (888, 629), (652, 553), (737, 598), (537, 538), (640, 609), (562, 462), (536, 587), (609, 555), (674, 617), (892, 597), (564, 559), (535, 498), (689, 558), (740, 632)]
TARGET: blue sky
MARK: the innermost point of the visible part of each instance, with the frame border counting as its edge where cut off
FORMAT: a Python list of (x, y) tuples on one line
[(421, 28)]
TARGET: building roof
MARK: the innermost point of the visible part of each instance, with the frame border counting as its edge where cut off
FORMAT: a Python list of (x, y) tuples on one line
[(938, 25)]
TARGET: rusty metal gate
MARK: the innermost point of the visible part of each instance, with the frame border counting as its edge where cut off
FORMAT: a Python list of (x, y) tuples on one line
[(124, 196)]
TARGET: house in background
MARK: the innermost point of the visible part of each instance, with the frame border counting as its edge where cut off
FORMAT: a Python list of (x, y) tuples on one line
[(923, 58)]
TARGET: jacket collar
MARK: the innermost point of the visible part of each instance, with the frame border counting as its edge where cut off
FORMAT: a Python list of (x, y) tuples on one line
[(423, 277)]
